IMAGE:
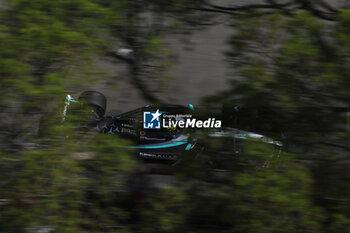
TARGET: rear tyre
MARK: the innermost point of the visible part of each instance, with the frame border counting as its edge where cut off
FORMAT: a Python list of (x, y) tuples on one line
[(96, 100)]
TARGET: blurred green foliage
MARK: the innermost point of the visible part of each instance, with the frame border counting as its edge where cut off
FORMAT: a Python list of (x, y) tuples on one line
[(300, 61), (297, 67), (72, 183), (72, 180), (46, 46)]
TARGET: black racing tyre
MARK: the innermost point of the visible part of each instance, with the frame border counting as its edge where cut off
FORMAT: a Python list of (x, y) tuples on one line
[(96, 100)]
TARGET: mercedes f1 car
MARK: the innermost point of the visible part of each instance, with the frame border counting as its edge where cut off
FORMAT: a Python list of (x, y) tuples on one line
[(160, 143)]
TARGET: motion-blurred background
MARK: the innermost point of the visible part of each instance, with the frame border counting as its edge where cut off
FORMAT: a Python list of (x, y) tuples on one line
[(287, 56)]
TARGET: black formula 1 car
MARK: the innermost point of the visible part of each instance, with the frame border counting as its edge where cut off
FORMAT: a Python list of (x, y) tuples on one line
[(162, 132)]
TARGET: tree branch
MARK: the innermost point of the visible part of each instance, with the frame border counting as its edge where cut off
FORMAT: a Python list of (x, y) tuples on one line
[(136, 81), (326, 6), (272, 4), (251, 6), (210, 10), (320, 14)]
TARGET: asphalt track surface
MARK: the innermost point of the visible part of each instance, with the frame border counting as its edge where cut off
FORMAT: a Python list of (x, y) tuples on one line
[(202, 68), (200, 71)]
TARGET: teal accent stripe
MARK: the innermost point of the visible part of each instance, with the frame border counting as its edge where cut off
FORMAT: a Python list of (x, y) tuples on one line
[(191, 106), (161, 146), (188, 146), (71, 100)]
